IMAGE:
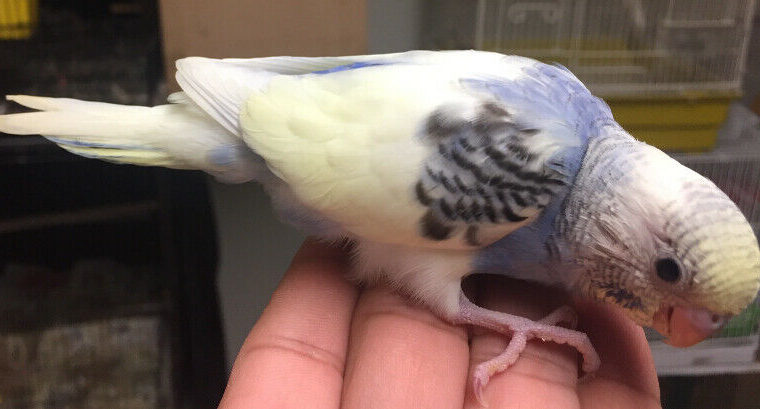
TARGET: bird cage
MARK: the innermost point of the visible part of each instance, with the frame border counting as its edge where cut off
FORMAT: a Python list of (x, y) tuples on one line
[(668, 69), (627, 47), (18, 19)]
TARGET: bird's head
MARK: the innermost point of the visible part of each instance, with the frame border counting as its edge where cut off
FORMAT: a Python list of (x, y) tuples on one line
[(664, 243)]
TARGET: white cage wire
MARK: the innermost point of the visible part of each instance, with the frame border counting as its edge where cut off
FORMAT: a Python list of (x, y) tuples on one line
[(623, 47), (737, 174)]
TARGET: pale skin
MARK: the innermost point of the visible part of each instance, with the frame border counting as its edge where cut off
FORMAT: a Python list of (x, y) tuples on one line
[(323, 343)]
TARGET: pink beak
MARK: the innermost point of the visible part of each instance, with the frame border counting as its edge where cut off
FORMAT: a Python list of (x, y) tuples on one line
[(685, 327)]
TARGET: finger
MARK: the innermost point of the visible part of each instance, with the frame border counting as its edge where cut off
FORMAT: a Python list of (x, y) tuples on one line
[(627, 373), (403, 356), (545, 375), (294, 356)]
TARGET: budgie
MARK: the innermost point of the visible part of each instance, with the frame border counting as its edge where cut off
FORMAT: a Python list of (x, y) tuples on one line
[(442, 164)]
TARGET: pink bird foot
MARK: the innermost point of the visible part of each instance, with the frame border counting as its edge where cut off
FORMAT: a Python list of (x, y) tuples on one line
[(522, 330)]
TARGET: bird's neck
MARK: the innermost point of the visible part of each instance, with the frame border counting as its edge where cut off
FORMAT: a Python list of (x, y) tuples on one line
[(543, 251), (610, 156)]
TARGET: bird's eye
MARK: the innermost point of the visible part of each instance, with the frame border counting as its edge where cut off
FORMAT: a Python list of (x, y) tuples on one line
[(668, 269)]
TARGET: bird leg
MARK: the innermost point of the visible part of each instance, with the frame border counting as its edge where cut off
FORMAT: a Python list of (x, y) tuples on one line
[(522, 330)]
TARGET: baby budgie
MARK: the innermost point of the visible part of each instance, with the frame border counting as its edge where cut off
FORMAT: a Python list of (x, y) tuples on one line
[(442, 164)]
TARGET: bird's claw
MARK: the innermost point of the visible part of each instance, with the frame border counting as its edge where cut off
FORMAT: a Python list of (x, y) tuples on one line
[(480, 379), (483, 372), (521, 331)]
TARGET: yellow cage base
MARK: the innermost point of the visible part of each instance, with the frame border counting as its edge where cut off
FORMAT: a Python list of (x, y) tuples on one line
[(18, 19), (674, 123)]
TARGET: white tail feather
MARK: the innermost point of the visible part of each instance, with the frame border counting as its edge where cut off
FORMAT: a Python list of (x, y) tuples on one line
[(176, 136)]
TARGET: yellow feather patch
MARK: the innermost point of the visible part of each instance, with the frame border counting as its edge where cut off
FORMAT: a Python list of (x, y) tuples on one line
[(346, 144)]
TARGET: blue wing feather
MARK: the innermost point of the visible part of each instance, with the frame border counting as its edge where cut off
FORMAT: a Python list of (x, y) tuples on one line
[(347, 67), (546, 92)]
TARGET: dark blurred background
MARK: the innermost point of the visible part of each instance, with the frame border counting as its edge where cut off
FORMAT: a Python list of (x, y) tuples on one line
[(129, 287)]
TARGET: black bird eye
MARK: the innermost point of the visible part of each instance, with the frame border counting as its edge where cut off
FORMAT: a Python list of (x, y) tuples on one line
[(668, 269)]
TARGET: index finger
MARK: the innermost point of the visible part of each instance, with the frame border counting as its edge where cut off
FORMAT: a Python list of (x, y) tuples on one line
[(294, 356), (627, 373)]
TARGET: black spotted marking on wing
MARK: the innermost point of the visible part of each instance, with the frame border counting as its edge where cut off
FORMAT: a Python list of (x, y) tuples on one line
[(520, 152), (482, 172), (446, 210), (462, 186), (510, 215), (439, 125), (466, 145), (443, 151), (489, 211), (448, 184), (422, 195), (518, 199), (471, 236), (433, 228), (462, 210)]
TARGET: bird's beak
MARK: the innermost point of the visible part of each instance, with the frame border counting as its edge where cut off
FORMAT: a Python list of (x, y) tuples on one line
[(684, 327)]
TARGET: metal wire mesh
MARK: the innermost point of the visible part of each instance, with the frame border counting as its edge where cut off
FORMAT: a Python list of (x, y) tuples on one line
[(626, 46), (736, 174)]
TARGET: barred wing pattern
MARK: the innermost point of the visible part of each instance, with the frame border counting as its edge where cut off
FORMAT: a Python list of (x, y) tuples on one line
[(485, 177)]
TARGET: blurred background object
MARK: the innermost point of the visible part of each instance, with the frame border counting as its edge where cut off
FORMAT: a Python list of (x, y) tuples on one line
[(668, 69), (137, 288), (110, 275), (18, 19)]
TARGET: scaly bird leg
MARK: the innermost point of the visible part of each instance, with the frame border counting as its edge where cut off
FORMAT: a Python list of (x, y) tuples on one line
[(522, 330)]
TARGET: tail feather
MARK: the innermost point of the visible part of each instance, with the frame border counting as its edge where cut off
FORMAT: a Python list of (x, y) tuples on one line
[(110, 132), (134, 157), (131, 154), (69, 104), (73, 143), (176, 135)]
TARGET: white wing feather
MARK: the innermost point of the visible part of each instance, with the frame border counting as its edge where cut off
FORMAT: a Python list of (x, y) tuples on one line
[(345, 143)]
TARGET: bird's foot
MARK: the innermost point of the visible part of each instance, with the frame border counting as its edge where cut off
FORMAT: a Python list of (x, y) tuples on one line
[(521, 331)]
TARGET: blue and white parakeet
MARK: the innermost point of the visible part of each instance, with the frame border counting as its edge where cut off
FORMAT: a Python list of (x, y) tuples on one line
[(443, 164)]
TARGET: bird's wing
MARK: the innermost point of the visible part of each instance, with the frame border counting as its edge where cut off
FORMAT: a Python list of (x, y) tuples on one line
[(220, 86), (497, 167), (415, 149)]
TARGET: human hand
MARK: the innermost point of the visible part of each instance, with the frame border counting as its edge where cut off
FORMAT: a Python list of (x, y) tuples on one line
[(323, 343)]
